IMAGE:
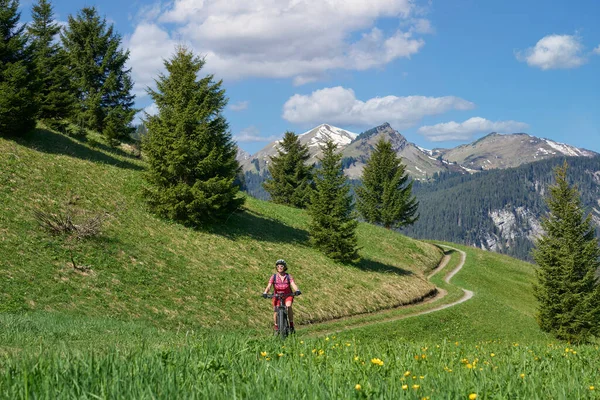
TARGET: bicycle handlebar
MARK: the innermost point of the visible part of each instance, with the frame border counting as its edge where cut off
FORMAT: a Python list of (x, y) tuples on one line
[(281, 295)]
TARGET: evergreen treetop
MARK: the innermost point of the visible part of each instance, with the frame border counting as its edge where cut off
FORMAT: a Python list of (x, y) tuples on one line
[(103, 83), (17, 76), (568, 256), (333, 228), (291, 177), (191, 155), (385, 194)]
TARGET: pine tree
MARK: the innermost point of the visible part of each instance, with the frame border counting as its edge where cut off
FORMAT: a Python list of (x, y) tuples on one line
[(191, 156), (332, 228), (291, 178), (385, 196), (17, 76), (103, 84), (54, 93), (568, 256)]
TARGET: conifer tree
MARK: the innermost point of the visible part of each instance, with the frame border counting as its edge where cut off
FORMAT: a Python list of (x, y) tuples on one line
[(103, 83), (17, 77), (291, 178), (54, 93), (191, 156), (332, 228), (568, 256), (385, 195)]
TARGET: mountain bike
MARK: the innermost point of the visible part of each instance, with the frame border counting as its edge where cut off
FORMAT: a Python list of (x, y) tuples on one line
[(282, 313)]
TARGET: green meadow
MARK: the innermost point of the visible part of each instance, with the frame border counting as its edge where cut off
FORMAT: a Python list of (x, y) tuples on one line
[(163, 311)]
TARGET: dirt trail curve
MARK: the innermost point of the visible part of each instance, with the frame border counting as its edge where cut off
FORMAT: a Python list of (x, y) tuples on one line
[(441, 294)]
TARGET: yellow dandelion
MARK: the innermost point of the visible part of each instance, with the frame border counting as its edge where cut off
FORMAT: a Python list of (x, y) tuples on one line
[(522, 375), (263, 353), (492, 355), (456, 343), (301, 354), (416, 357), (321, 352), (377, 361), (314, 350), (302, 342), (357, 387), (592, 388), (327, 338), (404, 387), (416, 386), (407, 373), (423, 356), (472, 396), (280, 354), (268, 358), (421, 377), (470, 366), (355, 358), (348, 344)]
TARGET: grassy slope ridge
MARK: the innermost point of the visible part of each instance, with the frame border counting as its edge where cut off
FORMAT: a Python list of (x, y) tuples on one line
[(148, 269)]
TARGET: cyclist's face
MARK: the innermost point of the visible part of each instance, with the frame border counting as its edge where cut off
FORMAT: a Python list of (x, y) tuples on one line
[(280, 267)]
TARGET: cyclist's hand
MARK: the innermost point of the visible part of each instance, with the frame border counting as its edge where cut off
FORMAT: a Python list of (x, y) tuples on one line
[(298, 293), (265, 295)]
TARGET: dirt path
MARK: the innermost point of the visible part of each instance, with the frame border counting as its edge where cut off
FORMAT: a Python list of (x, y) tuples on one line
[(441, 293)]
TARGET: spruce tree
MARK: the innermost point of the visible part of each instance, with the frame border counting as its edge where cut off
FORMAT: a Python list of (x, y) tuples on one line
[(54, 94), (332, 228), (385, 194), (17, 76), (103, 83), (567, 255), (291, 178), (191, 157)]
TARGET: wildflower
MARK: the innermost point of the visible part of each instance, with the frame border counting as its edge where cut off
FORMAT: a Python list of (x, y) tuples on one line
[(263, 353), (456, 343), (423, 356), (493, 355), (357, 387), (301, 354), (416, 386), (327, 338), (355, 358), (407, 373), (421, 377), (522, 375), (280, 355), (314, 350), (592, 388), (472, 396), (377, 361), (416, 357), (321, 352), (268, 358), (470, 366), (404, 387), (348, 344), (302, 342)]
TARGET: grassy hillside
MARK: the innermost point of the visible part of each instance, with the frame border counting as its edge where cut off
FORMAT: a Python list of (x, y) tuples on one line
[(147, 269)]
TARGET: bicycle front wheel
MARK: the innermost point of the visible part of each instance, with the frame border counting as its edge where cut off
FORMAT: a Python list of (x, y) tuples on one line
[(282, 322)]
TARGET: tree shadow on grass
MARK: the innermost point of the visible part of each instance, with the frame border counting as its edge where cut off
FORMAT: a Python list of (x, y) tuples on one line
[(50, 142), (369, 265), (248, 224)]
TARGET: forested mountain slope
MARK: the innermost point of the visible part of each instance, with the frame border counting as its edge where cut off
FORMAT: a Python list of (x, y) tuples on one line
[(499, 210)]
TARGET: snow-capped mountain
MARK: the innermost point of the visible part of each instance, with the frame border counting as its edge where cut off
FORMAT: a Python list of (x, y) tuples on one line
[(313, 138), (506, 151)]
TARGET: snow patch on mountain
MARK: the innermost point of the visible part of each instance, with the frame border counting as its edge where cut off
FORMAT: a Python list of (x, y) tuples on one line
[(325, 132), (564, 148)]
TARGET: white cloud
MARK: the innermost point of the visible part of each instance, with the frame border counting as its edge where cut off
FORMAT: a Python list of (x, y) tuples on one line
[(297, 39), (555, 52), (597, 50), (468, 129), (252, 134), (338, 105), (239, 106)]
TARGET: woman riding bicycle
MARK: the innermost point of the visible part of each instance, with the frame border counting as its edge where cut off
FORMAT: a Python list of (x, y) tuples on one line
[(283, 283)]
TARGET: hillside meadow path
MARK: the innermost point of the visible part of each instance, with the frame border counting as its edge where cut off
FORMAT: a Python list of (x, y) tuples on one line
[(440, 294)]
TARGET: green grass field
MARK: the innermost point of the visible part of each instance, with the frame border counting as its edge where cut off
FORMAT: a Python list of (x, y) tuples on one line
[(169, 312)]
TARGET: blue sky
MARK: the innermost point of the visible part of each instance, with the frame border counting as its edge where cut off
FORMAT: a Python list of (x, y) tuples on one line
[(441, 72)]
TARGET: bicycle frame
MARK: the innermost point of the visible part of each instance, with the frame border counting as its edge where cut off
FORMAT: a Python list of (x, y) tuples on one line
[(282, 313)]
